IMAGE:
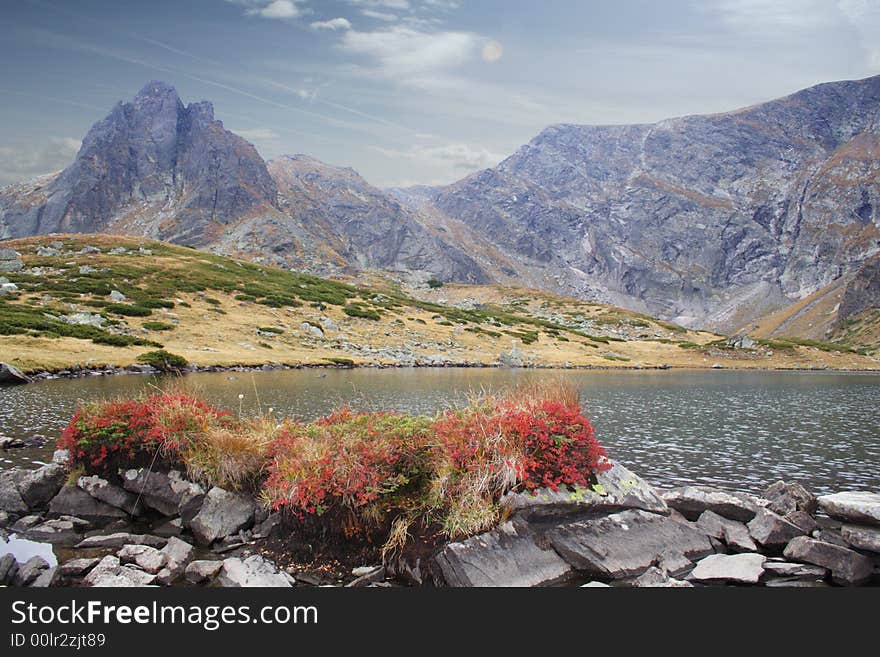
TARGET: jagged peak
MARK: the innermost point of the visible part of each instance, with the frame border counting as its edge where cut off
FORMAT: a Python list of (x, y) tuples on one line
[(155, 89)]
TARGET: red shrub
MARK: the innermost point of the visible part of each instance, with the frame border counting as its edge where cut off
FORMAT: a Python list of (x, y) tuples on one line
[(346, 461), (127, 429)]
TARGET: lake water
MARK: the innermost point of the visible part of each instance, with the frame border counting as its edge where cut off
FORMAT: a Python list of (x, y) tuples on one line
[(742, 430)]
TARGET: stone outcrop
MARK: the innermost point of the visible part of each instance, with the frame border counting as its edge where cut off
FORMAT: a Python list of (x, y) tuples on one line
[(692, 501), (852, 506), (222, 513), (507, 556), (626, 544), (847, 567), (10, 375)]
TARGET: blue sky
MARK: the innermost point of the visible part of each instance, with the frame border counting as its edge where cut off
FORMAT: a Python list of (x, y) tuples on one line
[(410, 91)]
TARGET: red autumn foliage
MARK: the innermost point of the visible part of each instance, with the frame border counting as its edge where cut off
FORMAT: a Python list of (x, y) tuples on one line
[(123, 430), (546, 443)]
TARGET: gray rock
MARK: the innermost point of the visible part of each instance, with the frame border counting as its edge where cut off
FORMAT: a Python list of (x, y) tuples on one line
[(848, 568), (10, 498), (117, 297), (5, 519), (832, 536), (78, 567), (734, 534), (787, 498), (861, 537), (110, 573), (61, 457), (803, 521), (74, 501), (29, 570), (776, 569), (264, 529), (103, 490), (146, 558), (734, 568), (177, 554), (771, 530), (365, 577), (154, 488), (311, 329), (58, 532), (222, 513), (852, 506), (8, 569), (201, 571), (656, 578), (692, 501), (10, 375), (38, 487), (628, 543), (255, 571), (616, 489), (10, 260), (168, 528), (119, 539), (46, 578), (48, 252), (507, 556)]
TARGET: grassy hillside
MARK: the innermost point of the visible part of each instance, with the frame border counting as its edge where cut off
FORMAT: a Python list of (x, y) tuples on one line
[(214, 310)]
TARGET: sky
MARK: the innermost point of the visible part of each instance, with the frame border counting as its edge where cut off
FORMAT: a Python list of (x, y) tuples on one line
[(410, 91)]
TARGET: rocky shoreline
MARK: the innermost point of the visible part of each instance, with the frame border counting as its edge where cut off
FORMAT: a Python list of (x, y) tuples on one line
[(156, 528), (10, 375)]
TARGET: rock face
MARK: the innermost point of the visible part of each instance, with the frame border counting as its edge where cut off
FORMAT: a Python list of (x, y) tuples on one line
[(863, 538), (157, 168), (507, 556), (10, 375), (628, 543), (74, 501), (705, 220), (692, 501), (222, 513), (847, 567), (616, 489), (854, 506)]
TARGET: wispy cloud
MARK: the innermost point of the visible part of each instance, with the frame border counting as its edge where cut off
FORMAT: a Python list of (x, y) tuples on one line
[(258, 134), (24, 162), (333, 24), (449, 161), (402, 52)]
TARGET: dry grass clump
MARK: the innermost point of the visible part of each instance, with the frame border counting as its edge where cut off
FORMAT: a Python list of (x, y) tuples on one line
[(233, 456)]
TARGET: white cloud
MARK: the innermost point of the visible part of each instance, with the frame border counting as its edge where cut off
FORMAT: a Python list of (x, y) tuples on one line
[(780, 19), (258, 134), (390, 4), (25, 162), (271, 8), (380, 15), (456, 158), (401, 51), (333, 24)]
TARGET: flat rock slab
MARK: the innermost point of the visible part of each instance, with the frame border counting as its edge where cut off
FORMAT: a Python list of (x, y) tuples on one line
[(78, 567), (255, 571), (626, 544), (692, 501), (861, 537), (201, 571), (144, 557), (506, 556), (852, 506), (733, 568), (120, 539), (103, 490), (777, 569), (616, 489), (848, 568)]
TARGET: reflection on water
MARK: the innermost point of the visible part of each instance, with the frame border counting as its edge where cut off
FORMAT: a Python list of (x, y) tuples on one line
[(23, 549), (738, 429)]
